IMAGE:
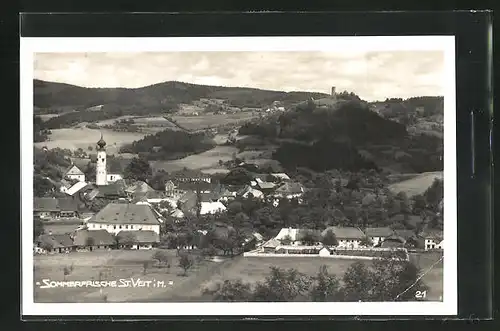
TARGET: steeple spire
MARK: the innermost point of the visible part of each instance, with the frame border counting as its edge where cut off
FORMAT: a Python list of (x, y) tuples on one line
[(101, 143)]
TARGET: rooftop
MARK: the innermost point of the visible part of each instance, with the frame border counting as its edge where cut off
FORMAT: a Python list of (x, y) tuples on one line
[(125, 213), (345, 232)]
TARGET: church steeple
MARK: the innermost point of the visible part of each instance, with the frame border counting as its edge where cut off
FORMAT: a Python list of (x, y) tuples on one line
[(101, 143)]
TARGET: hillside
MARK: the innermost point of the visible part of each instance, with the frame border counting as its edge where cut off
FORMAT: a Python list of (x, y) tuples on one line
[(58, 97), (346, 136)]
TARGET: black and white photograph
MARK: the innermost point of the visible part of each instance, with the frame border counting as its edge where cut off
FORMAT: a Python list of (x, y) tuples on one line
[(256, 175)]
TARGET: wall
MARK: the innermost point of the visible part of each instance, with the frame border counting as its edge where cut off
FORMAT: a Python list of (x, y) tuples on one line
[(113, 177), (341, 257), (115, 228), (350, 243), (80, 178)]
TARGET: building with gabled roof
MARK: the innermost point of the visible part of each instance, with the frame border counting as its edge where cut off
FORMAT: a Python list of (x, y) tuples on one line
[(378, 235), (55, 243), (138, 239), (116, 217), (349, 237), (91, 240), (73, 172), (55, 207)]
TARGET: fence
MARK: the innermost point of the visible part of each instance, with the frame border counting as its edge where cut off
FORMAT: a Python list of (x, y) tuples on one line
[(344, 257)]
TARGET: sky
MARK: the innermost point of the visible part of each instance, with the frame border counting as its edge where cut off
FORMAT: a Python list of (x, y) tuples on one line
[(371, 75)]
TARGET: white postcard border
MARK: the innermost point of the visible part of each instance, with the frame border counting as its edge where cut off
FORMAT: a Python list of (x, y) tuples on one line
[(29, 46)]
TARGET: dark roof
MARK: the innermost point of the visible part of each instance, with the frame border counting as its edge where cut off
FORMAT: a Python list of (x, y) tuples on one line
[(345, 232), (201, 185), (432, 234), (125, 213), (56, 240), (290, 188), (404, 233), (138, 236), (55, 204), (101, 237), (378, 232), (301, 233), (139, 187), (113, 189)]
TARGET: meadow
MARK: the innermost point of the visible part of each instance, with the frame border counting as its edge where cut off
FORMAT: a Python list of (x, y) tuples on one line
[(113, 265), (210, 120), (82, 137), (416, 185)]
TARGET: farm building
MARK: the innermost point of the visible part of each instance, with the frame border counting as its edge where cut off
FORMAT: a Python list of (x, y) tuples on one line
[(289, 190), (54, 243), (347, 237), (393, 242), (138, 239), (378, 235), (117, 217), (298, 237), (47, 208), (92, 240), (432, 239)]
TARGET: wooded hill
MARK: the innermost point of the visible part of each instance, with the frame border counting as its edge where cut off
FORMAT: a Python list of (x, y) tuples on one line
[(346, 136)]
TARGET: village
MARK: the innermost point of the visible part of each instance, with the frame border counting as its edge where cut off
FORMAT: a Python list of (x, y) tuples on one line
[(136, 216)]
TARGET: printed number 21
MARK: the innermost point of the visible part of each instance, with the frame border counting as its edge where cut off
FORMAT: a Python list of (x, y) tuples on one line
[(420, 294)]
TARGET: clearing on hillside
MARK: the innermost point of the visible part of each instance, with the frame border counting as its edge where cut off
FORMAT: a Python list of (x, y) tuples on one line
[(417, 185)]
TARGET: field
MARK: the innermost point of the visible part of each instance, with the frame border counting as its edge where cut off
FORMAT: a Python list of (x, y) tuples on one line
[(119, 265), (417, 185), (74, 138), (204, 121), (206, 160), (114, 265)]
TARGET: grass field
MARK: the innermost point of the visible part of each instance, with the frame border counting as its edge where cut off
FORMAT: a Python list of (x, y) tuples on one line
[(205, 121), (417, 185), (128, 264), (75, 138), (206, 160), (114, 265)]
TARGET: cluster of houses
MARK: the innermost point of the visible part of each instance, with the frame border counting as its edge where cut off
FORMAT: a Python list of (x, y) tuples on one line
[(306, 241)]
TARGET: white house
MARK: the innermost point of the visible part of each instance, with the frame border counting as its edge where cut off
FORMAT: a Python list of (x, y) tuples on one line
[(211, 207), (378, 235), (433, 240), (73, 172), (75, 188), (324, 252), (111, 178), (297, 236), (117, 217), (347, 237)]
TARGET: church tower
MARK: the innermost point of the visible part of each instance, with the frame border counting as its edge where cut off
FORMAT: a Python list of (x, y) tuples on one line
[(100, 171)]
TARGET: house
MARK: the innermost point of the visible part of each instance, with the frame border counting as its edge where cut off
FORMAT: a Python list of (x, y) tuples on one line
[(73, 172), (248, 191), (188, 175), (289, 190), (208, 203), (138, 188), (116, 217), (280, 176), (270, 246), (138, 239), (378, 235), (298, 237), (54, 243), (393, 241), (347, 237), (72, 190), (111, 178), (109, 192), (265, 187), (47, 208), (92, 240), (432, 239)]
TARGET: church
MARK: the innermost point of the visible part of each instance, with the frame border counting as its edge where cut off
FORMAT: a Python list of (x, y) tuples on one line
[(102, 176)]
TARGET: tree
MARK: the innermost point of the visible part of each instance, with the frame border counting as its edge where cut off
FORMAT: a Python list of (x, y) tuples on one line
[(145, 267), (46, 246), (326, 287), (330, 239), (238, 176), (138, 169), (185, 262), (231, 291), (310, 238), (161, 257), (282, 286), (358, 283), (366, 241), (286, 240), (42, 186), (66, 271), (38, 228)]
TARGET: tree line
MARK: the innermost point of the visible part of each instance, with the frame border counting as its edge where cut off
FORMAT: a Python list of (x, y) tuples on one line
[(380, 281)]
